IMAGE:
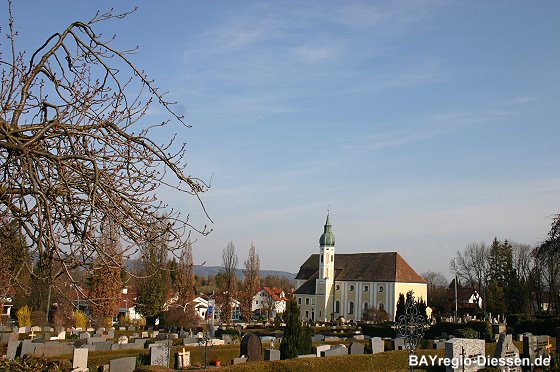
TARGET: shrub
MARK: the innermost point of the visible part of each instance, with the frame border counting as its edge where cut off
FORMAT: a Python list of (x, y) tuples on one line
[(24, 316), (538, 326), (466, 333), (81, 319)]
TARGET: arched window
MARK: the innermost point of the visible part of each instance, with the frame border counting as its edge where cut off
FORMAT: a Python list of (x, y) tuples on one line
[(351, 307), (381, 306), (366, 305), (351, 287), (321, 257), (337, 306), (366, 288)]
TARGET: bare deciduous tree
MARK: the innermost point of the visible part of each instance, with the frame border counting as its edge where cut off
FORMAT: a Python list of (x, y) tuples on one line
[(251, 282), (76, 148), (227, 282), (471, 265)]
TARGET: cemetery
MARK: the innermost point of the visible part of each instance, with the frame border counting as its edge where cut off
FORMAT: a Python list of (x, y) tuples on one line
[(136, 349)]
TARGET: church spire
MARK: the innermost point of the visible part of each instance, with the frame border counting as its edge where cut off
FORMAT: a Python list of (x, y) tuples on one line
[(327, 238)]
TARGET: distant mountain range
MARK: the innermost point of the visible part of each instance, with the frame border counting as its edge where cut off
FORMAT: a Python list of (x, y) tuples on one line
[(213, 270)]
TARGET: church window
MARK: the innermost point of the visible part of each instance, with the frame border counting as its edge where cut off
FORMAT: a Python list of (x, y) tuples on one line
[(366, 305), (351, 287), (332, 258), (337, 306), (366, 288), (337, 287), (307, 314), (307, 301), (381, 306), (321, 258), (299, 300), (351, 307), (380, 288)]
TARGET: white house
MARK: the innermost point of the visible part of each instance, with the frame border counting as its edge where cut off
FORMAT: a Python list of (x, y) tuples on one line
[(269, 299), (333, 285)]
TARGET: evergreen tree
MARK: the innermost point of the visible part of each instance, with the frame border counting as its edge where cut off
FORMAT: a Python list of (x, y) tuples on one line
[(400, 306), (297, 337)]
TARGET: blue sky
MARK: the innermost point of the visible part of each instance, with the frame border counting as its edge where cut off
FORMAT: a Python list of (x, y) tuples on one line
[(423, 125)]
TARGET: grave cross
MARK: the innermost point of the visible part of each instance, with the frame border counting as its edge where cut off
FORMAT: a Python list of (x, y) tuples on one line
[(32, 334)]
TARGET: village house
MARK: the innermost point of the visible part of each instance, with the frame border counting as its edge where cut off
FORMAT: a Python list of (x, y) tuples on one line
[(269, 302), (330, 286)]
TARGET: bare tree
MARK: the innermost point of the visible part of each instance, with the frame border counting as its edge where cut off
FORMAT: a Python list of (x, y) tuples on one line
[(437, 290), (106, 281), (471, 265), (182, 313), (76, 148), (251, 282), (227, 282)]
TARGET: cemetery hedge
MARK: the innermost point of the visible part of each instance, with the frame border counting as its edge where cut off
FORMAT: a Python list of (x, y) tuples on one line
[(378, 330), (545, 326), (435, 331)]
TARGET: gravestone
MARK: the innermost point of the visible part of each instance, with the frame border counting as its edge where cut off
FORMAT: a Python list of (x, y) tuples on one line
[(505, 349), (271, 354), (139, 343), (320, 348), (135, 335), (155, 334), (29, 348), (145, 334), (132, 328), (111, 334), (53, 349), (93, 340), (102, 346), (127, 364), (123, 340), (251, 347), (173, 336), (398, 343), (35, 329), (535, 346), (22, 330), (356, 348), (62, 335), (227, 338), (377, 345), (183, 359), (466, 352), (335, 350), (238, 360), (89, 329), (80, 359), (190, 341), (85, 335), (438, 344), (318, 338), (13, 346), (306, 356), (159, 355), (13, 337)]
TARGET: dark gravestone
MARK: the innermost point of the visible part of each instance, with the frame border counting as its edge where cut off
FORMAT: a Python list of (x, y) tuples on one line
[(53, 349), (127, 364), (251, 347), (31, 348), (271, 354), (102, 346), (356, 348)]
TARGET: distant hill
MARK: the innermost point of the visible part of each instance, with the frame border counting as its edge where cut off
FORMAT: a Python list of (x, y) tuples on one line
[(213, 270)]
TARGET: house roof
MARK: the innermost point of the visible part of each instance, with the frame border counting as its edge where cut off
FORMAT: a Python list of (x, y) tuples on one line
[(370, 267), (309, 286), (275, 293)]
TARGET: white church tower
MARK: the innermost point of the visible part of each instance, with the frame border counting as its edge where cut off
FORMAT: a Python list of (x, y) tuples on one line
[(325, 281)]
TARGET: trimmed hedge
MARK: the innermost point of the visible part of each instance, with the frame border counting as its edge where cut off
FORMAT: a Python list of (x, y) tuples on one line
[(538, 326), (482, 328), (378, 330)]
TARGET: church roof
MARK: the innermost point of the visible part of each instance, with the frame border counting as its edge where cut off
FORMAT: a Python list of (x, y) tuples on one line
[(364, 267)]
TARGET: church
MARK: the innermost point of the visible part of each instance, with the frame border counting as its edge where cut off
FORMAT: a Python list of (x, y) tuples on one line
[(331, 285)]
